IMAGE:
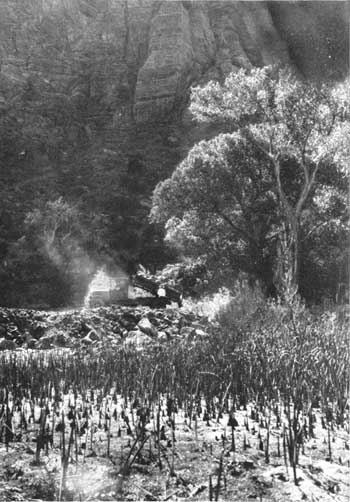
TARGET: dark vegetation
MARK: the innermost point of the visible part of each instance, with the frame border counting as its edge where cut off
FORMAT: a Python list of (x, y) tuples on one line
[(75, 193)]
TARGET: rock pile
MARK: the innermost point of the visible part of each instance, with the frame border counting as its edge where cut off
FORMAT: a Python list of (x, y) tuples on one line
[(113, 325)]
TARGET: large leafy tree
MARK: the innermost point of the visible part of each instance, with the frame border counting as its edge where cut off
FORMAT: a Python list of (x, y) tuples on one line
[(269, 185), (219, 204)]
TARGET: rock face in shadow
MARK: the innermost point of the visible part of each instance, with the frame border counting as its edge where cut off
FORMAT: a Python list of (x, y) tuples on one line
[(170, 45), (316, 34)]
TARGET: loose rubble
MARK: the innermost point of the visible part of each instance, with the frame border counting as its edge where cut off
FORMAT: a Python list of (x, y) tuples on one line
[(31, 329)]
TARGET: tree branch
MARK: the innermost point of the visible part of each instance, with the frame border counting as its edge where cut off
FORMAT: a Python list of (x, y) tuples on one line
[(237, 229), (313, 230), (250, 137), (309, 181), (274, 159), (52, 236)]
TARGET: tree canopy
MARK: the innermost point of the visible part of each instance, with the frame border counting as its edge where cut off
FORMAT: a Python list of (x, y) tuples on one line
[(260, 198)]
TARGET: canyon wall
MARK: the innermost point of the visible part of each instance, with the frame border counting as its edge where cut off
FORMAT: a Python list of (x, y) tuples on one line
[(169, 45), (166, 46)]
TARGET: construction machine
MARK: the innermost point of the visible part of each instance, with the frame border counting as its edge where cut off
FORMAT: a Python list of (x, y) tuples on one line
[(162, 295)]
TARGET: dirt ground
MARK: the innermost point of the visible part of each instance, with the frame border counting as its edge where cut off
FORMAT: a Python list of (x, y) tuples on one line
[(244, 474)]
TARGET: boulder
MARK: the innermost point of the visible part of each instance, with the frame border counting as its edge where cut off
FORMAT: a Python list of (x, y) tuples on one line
[(137, 325), (147, 327), (61, 340), (138, 339), (44, 343), (187, 332), (127, 324), (38, 329), (7, 344), (199, 333), (93, 336), (197, 325), (162, 336), (87, 340), (30, 343), (53, 339), (171, 332)]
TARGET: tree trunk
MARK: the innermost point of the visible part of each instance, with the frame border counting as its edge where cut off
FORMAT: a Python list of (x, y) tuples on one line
[(264, 272), (287, 270), (286, 276)]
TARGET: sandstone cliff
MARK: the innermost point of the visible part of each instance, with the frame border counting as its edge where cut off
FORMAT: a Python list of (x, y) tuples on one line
[(165, 46), (191, 42)]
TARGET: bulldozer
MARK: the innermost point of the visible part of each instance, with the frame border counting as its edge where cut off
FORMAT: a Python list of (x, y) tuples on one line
[(162, 295)]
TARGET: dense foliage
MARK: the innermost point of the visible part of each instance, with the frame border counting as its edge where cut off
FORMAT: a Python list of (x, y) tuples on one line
[(270, 197)]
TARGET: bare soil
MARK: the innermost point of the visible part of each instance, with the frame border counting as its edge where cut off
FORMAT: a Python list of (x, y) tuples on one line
[(194, 459)]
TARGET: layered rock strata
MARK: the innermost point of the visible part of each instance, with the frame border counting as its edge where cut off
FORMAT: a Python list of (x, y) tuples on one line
[(169, 45)]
